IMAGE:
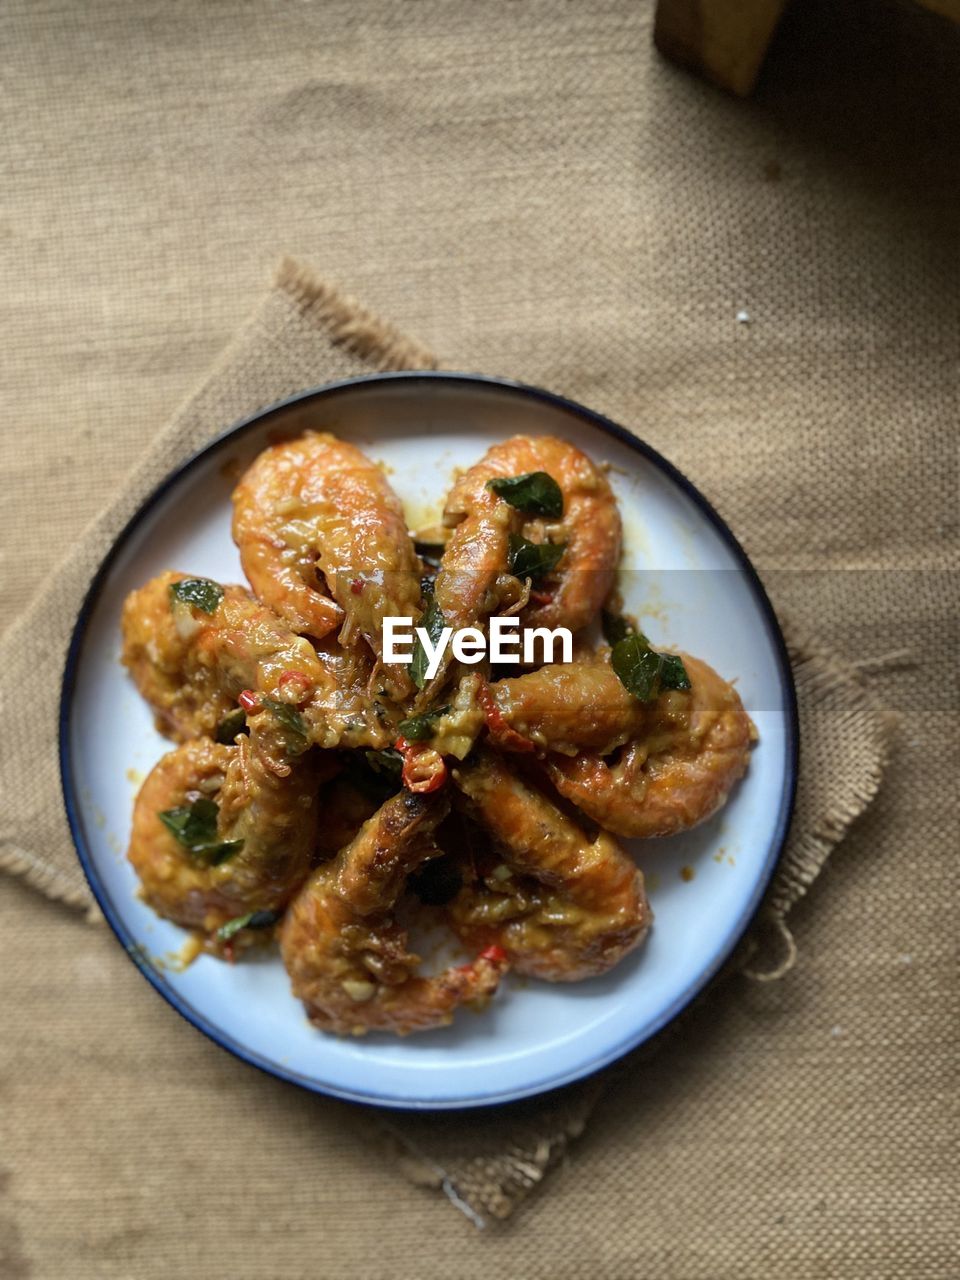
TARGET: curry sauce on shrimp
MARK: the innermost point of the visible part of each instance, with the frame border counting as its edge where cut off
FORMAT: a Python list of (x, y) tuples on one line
[(588, 529), (563, 906), (323, 542), (476, 577), (673, 775), (218, 833), (193, 661), (347, 957), (313, 782), (565, 708)]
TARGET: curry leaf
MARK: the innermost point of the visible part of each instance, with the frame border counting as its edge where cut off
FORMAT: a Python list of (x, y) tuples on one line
[(388, 763), (535, 493), (637, 667), (201, 593), (292, 722), (232, 724), (211, 855), (673, 674), (432, 622), (418, 728), (195, 827), (644, 672), (533, 560), (192, 824), (375, 773)]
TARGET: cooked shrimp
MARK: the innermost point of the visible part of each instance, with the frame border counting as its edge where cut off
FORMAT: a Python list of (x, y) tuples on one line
[(187, 699), (315, 515), (565, 708), (589, 529), (474, 578), (347, 957), (191, 665), (677, 772), (562, 906), (251, 840), (472, 581)]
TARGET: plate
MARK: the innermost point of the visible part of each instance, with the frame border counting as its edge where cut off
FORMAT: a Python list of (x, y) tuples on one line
[(684, 574)]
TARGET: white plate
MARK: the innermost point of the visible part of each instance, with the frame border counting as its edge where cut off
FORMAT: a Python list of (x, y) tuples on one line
[(686, 576)]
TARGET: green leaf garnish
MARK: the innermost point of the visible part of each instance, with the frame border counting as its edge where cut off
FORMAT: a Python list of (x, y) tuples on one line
[(200, 593), (535, 493), (533, 560), (192, 824), (195, 827), (230, 725), (252, 920), (637, 667), (616, 627), (673, 674), (419, 728), (211, 855), (433, 623), (644, 672), (292, 722)]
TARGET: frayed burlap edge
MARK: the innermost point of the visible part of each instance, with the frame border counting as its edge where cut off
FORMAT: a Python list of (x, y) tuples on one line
[(770, 951), (350, 324), (48, 880), (489, 1186)]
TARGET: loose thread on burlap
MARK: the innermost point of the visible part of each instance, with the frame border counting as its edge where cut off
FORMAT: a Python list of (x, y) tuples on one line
[(896, 660)]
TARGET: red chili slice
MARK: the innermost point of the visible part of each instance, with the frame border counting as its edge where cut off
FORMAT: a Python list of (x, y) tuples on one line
[(297, 683), (497, 726), (495, 954), (250, 700), (418, 775)]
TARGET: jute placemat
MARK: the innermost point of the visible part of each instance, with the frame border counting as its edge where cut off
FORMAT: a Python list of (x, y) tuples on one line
[(305, 333)]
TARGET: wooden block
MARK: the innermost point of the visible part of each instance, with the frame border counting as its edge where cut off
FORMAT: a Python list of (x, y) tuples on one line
[(948, 8), (724, 40)]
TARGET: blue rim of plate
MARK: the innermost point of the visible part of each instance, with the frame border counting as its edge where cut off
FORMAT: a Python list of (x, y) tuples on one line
[(639, 1035)]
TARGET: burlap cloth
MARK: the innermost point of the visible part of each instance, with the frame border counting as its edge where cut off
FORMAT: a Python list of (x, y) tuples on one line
[(533, 193)]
